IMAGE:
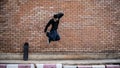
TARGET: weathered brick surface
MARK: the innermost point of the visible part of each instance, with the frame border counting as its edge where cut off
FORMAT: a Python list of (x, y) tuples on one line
[(88, 26)]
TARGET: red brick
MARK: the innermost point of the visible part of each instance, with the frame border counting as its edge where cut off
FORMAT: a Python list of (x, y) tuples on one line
[(87, 26)]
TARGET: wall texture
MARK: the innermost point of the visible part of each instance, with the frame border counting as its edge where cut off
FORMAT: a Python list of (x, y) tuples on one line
[(88, 26)]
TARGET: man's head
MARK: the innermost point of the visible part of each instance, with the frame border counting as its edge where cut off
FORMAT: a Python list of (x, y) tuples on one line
[(55, 17)]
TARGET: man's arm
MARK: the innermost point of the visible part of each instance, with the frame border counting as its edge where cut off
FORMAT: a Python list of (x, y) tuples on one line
[(48, 24), (60, 15)]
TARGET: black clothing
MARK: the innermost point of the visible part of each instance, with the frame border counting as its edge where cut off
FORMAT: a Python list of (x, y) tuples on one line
[(53, 34), (59, 15), (53, 23)]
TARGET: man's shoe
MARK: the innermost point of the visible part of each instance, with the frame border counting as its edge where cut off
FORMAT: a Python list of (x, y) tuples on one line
[(48, 41)]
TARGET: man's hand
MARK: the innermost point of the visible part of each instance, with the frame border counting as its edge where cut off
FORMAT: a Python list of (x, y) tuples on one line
[(45, 32)]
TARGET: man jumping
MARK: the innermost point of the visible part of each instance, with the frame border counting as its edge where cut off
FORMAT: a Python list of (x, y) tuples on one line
[(53, 34)]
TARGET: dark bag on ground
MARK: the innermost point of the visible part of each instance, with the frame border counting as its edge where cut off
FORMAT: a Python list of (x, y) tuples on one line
[(26, 49)]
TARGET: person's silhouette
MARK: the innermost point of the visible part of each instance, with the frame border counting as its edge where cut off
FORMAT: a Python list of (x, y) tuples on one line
[(53, 34)]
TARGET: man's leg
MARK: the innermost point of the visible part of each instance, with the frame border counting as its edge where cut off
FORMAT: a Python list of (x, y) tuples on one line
[(57, 36), (49, 37)]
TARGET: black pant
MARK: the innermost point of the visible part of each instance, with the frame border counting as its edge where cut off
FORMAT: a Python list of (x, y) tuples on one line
[(53, 35)]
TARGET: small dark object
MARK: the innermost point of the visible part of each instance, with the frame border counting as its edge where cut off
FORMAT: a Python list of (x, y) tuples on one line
[(26, 48)]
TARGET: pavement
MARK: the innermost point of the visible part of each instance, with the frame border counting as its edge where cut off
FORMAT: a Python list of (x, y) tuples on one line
[(66, 62)]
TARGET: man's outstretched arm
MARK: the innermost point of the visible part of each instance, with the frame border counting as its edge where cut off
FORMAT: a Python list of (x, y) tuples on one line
[(48, 24), (60, 15)]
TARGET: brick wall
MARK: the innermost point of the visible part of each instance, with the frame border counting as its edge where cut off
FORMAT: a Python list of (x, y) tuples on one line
[(88, 26)]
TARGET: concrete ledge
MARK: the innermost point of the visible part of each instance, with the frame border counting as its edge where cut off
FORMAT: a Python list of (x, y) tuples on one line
[(38, 56), (65, 62)]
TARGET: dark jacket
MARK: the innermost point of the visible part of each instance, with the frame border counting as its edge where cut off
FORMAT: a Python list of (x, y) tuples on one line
[(53, 23)]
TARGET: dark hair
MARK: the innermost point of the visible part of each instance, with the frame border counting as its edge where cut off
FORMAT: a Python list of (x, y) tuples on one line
[(55, 16)]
